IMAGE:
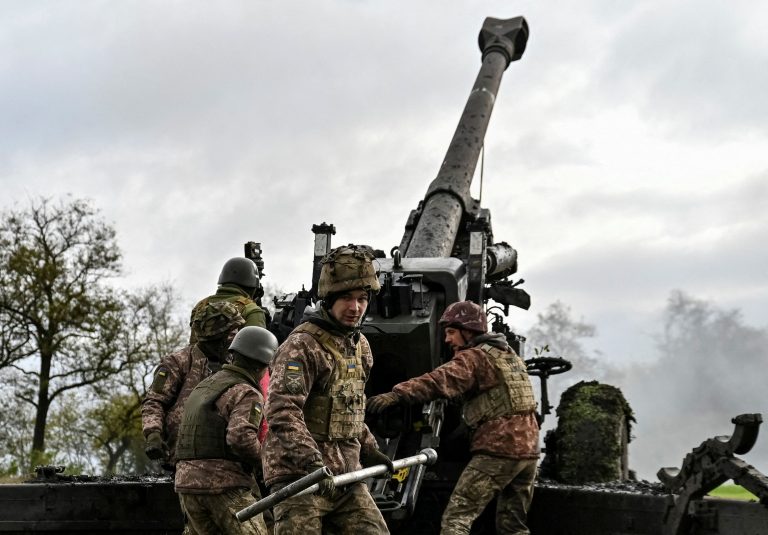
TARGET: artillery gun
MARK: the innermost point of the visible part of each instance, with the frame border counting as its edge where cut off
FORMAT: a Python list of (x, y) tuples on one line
[(447, 253)]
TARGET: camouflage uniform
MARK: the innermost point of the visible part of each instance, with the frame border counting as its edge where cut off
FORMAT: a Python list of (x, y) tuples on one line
[(251, 313), (213, 490), (249, 310), (505, 449), (175, 377), (302, 365)]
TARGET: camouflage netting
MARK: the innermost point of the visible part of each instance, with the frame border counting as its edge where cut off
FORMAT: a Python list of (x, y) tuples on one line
[(590, 442)]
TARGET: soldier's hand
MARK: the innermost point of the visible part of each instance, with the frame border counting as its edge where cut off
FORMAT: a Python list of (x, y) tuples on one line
[(377, 404), (376, 457), (326, 486), (155, 447)]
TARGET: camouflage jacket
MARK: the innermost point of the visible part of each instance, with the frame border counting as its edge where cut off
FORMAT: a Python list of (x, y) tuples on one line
[(249, 310), (289, 447), (175, 377), (467, 374), (263, 389), (240, 406)]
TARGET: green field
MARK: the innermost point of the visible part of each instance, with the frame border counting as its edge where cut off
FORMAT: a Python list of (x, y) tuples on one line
[(733, 492)]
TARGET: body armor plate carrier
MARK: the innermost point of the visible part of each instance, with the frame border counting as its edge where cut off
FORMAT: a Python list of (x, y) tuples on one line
[(203, 433), (337, 412), (513, 394)]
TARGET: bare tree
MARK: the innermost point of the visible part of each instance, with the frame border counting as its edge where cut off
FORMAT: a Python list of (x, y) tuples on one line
[(711, 367), (562, 335), (15, 434), (151, 331)]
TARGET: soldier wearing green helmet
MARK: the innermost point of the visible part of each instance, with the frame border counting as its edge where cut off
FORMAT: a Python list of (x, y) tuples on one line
[(316, 405), (219, 447), (215, 325), (239, 283)]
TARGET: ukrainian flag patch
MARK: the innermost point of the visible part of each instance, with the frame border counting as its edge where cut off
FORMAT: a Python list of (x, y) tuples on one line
[(351, 366), (294, 378)]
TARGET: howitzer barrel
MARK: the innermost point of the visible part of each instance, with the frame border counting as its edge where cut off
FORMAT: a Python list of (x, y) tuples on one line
[(501, 42)]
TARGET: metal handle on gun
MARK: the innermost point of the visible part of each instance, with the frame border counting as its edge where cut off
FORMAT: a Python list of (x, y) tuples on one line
[(282, 494), (306, 486), (427, 456)]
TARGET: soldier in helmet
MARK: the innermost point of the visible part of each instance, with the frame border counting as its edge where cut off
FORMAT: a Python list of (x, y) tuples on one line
[(238, 284), (499, 408), (215, 325), (316, 405), (218, 448)]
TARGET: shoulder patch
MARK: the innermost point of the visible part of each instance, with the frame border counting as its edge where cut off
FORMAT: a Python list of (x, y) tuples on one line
[(255, 416), (294, 377), (161, 375)]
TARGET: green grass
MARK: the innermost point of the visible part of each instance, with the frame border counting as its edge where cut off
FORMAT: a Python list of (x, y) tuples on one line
[(733, 492)]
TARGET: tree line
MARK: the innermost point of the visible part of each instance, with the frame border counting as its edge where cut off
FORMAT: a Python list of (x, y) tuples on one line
[(75, 349)]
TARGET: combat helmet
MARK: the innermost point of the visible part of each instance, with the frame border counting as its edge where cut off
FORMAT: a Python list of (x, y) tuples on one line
[(241, 271), (349, 267), (465, 315), (216, 319), (255, 343)]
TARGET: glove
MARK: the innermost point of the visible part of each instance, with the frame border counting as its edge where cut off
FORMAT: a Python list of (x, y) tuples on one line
[(377, 404), (375, 457), (326, 486), (155, 447)]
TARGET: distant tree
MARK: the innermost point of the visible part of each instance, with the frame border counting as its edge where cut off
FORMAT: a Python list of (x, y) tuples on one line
[(702, 345), (16, 421), (151, 331), (64, 327), (562, 334), (711, 367)]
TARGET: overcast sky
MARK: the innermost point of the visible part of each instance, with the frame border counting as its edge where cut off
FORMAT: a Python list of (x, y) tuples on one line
[(626, 155)]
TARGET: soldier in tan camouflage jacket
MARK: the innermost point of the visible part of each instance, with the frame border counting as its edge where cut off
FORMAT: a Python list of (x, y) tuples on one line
[(500, 409), (179, 372), (218, 448), (316, 406)]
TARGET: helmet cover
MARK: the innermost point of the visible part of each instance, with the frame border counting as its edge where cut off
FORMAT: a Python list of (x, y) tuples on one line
[(465, 315), (215, 320), (349, 267)]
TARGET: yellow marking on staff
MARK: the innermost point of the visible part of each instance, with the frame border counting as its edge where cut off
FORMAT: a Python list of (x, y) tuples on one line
[(401, 474)]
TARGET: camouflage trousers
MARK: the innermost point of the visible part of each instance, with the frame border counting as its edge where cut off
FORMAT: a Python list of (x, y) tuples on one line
[(214, 514), (487, 477), (351, 511)]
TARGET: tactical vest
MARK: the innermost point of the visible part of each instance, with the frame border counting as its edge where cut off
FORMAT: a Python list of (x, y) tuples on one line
[(203, 433), (338, 411), (513, 394)]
